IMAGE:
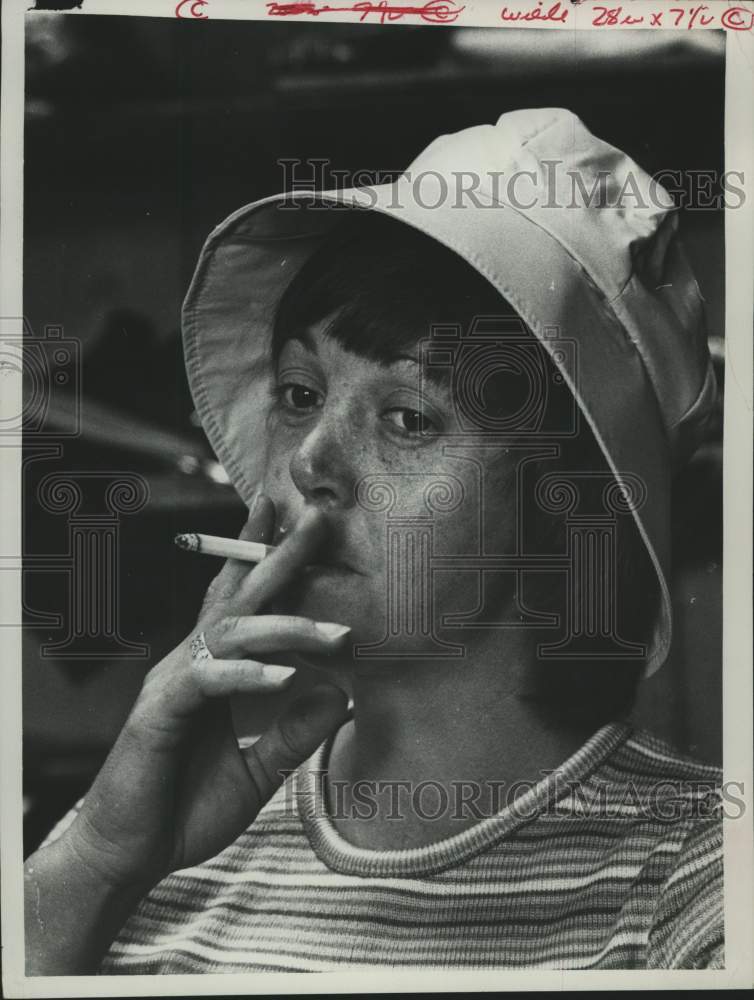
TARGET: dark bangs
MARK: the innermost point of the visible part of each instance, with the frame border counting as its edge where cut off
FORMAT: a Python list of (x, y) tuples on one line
[(387, 285)]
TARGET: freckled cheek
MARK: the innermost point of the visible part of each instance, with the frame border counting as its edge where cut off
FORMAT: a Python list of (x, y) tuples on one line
[(447, 494)]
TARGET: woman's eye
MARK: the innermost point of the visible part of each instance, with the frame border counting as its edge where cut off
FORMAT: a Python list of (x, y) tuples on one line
[(298, 397), (410, 422)]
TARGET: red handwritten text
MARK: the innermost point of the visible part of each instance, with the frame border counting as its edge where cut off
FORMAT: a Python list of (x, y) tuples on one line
[(688, 16), (702, 15), (434, 12), (676, 17), (737, 19), (538, 13), (612, 16), (191, 8)]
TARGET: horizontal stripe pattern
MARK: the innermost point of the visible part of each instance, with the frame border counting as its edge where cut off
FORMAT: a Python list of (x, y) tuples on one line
[(615, 887)]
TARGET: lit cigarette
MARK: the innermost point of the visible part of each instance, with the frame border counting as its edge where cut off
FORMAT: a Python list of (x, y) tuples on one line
[(227, 548)]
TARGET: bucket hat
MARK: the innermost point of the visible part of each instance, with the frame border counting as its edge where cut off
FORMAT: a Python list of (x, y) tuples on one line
[(571, 231)]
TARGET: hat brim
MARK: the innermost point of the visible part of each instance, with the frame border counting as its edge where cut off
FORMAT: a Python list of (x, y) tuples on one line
[(249, 260)]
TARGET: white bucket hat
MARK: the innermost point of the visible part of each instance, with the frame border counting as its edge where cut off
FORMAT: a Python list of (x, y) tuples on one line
[(567, 228)]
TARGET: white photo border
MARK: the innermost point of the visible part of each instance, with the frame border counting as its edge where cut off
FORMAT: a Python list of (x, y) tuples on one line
[(738, 724)]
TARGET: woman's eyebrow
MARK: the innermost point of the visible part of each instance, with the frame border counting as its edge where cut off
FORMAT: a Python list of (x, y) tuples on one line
[(395, 358), (419, 362), (437, 376), (306, 340)]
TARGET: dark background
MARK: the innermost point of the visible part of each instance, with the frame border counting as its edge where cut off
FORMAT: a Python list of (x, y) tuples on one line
[(142, 134)]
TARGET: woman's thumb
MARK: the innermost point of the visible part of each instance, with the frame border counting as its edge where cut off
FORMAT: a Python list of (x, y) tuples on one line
[(294, 736)]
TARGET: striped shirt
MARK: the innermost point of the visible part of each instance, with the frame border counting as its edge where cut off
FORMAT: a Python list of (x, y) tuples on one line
[(613, 861)]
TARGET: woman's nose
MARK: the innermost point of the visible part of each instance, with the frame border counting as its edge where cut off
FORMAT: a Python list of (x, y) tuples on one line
[(322, 466)]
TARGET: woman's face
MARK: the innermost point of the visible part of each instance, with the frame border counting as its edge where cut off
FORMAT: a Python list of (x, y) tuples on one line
[(375, 447)]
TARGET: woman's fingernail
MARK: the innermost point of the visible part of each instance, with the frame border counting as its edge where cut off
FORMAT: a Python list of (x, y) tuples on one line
[(277, 674), (331, 630)]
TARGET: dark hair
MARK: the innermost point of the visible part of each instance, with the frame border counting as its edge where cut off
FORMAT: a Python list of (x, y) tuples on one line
[(386, 286), (387, 282)]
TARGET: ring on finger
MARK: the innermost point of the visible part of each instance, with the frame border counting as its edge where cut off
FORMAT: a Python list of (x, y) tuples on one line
[(199, 649)]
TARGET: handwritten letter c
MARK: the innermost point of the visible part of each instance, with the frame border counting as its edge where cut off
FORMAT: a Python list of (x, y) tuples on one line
[(194, 6)]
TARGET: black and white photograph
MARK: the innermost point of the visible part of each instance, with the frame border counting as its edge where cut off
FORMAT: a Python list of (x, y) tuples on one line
[(376, 483)]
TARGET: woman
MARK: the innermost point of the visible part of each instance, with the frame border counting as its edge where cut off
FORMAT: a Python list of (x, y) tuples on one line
[(429, 407)]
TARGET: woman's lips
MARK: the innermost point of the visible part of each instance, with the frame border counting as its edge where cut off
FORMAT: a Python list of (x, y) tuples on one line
[(331, 568), (334, 566)]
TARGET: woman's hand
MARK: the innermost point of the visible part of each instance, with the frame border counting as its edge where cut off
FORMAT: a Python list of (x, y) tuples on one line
[(176, 789)]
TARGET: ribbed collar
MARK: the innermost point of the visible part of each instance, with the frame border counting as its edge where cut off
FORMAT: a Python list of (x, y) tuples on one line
[(347, 859)]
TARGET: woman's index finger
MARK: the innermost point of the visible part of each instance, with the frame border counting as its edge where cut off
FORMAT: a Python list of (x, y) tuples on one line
[(258, 527), (291, 555), (260, 522)]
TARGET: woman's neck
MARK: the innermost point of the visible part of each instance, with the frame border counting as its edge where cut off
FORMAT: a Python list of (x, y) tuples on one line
[(459, 726)]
